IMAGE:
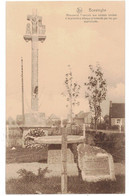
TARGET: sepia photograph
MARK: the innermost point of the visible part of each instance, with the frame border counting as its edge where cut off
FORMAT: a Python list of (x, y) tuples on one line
[(65, 97)]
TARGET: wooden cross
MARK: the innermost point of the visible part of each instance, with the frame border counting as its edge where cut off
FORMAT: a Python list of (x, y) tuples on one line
[(64, 162)]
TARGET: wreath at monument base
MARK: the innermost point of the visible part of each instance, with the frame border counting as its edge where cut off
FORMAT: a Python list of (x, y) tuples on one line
[(33, 133)]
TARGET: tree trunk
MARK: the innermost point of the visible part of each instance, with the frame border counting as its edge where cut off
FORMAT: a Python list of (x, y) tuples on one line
[(95, 124), (95, 118)]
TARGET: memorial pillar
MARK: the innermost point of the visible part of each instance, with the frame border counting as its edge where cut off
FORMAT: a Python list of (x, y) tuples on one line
[(34, 33)]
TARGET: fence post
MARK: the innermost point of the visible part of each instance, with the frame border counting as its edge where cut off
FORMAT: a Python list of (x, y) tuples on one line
[(7, 135), (84, 130), (64, 162)]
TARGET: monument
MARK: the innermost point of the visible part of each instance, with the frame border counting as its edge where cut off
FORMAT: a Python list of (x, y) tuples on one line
[(34, 32), (95, 163)]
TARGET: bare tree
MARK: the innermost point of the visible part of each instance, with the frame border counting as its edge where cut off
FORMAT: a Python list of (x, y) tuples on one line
[(72, 92)]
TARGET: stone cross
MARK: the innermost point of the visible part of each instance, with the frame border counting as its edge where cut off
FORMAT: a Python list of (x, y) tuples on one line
[(34, 33)]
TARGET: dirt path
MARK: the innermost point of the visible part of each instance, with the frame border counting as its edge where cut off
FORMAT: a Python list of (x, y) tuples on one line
[(11, 169)]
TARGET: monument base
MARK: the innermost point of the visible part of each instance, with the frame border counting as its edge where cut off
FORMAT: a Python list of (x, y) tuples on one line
[(54, 155)]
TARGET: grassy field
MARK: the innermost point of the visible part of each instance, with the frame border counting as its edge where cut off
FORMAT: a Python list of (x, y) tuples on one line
[(53, 186), (26, 155), (25, 185)]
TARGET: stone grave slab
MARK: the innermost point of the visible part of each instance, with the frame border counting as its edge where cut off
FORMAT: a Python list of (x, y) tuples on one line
[(54, 156), (95, 163)]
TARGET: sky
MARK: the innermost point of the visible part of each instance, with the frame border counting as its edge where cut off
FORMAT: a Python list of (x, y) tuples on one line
[(67, 42)]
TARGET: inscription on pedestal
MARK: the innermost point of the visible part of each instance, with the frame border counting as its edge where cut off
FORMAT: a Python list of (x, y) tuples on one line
[(96, 166)]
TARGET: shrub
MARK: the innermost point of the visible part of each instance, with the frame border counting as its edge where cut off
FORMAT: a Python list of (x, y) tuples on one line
[(42, 172), (113, 143), (102, 126), (115, 127), (30, 176), (26, 175), (55, 131)]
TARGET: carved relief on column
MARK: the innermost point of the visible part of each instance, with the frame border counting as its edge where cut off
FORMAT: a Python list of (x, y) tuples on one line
[(28, 31)]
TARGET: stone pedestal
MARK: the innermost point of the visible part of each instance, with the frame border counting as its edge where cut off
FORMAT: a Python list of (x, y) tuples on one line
[(54, 155)]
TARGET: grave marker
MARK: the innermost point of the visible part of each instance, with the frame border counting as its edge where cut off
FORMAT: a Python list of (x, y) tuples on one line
[(95, 163)]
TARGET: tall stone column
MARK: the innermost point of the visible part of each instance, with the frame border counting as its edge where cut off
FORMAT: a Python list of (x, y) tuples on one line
[(34, 33), (34, 76)]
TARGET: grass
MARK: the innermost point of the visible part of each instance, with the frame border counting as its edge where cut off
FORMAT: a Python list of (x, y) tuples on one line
[(26, 155), (53, 186), (33, 183)]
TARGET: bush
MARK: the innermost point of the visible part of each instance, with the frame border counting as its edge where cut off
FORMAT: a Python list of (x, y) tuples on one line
[(102, 126), (113, 143), (55, 131), (115, 127), (30, 176), (26, 175)]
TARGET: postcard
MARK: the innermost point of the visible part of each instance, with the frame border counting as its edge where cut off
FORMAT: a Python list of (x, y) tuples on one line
[(65, 97)]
